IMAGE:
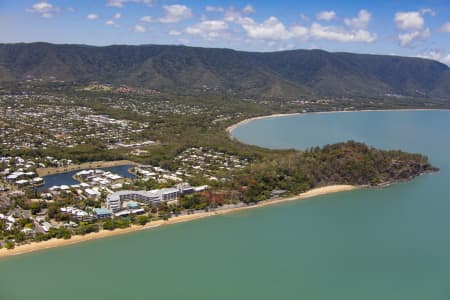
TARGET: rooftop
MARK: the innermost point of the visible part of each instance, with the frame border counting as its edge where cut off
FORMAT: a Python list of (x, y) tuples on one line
[(102, 211)]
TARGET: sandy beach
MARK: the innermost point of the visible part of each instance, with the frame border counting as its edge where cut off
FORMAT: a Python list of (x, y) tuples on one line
[(53, 243), (230, 128), (87, 165)]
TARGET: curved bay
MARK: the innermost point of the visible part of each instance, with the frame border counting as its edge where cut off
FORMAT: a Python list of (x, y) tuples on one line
[(391, 243)]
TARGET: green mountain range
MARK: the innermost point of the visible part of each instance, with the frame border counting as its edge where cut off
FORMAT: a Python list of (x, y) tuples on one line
[(184, 69)]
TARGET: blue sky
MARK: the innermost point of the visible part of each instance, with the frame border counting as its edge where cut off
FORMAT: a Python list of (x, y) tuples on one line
[(400, 27)]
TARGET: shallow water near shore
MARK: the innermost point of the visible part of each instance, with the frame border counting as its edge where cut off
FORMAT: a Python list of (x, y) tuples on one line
[(391, 243)]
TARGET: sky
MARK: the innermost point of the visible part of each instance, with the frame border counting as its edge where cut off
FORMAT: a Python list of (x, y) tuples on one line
[(396, 27)]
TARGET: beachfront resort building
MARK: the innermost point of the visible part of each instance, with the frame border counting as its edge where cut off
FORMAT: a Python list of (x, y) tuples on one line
[(114, 200), (154, 197)]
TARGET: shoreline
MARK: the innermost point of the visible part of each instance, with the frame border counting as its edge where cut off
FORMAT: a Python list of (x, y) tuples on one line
[(87, 165), (232, 127), (54, 243)]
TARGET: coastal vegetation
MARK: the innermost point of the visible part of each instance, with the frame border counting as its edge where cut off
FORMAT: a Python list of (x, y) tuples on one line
[(343, 163), (183, 135)]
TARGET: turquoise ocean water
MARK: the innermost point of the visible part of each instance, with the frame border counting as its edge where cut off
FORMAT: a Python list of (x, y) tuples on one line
[(387, 244)]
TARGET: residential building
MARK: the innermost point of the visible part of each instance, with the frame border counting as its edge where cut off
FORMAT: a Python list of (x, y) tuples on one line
[(102, 213)]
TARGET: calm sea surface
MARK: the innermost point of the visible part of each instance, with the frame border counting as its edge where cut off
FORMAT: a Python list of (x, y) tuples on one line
[(385, 244)]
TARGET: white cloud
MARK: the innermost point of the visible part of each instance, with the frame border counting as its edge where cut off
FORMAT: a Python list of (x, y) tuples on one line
[(411, 20), (121, 3), (429, 11), (209, 28), (304, 17), (147, 19), (436, 55), (44, 9), (92, 17), (175, 32), (445, 27), (332, 33), (299, 32), (41, 7), (233, 15), (446, 59), (326, 15), (112, 21), (139, 28), (361, 21), (408, 37), (176, 13), (248, 9), (214, 8), (270, 29), (412, 24)]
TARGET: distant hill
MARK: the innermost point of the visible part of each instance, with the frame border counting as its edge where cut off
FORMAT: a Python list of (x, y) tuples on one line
[(190, 69)]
